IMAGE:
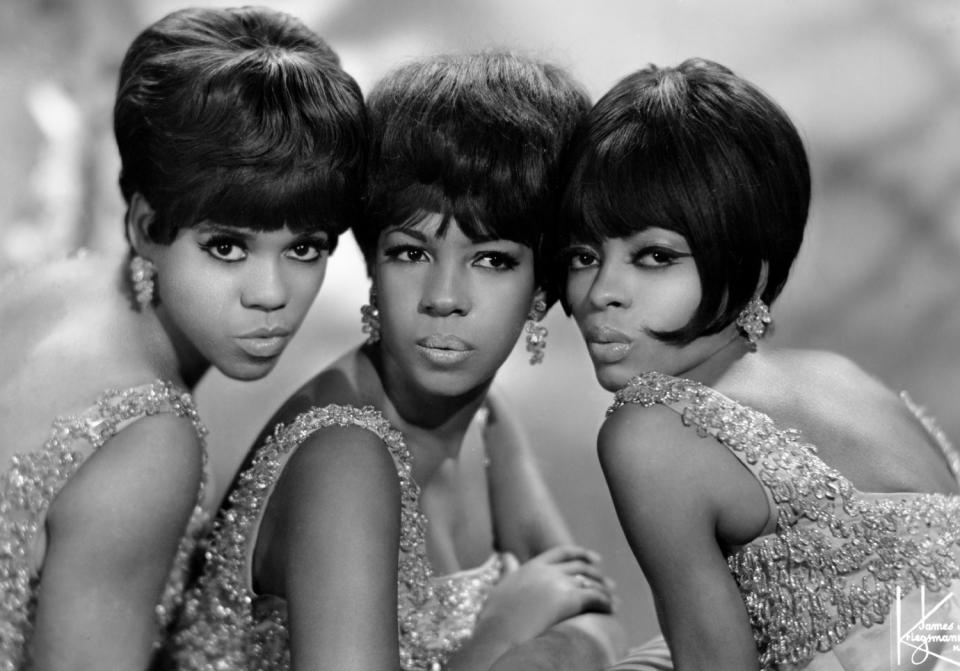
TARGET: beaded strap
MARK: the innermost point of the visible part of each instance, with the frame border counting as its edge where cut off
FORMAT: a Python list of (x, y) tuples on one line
[(838, 556), (35, 478)]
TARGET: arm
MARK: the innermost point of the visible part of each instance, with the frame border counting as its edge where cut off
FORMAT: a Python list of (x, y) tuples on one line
[(669, 489), (527, 523), (113, 532), (333, 553)]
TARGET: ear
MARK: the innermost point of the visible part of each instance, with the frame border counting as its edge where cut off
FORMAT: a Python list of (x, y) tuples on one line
[(762, 280), (538, 306), (140, 216)]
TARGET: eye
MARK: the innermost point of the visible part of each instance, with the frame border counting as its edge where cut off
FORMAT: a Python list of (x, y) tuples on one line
[(579, 258), (225, 249), (406, 254), (306, 250), (496, 261), (657, 257)]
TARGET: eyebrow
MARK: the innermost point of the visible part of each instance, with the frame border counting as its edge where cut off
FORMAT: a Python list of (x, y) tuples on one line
[(249, 233), (214, 228), (422, 237), (407, 230)]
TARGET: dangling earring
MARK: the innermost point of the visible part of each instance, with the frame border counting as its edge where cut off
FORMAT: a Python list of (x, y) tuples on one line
[(142, 272), (536, 332), (753, 321), (370, 318)]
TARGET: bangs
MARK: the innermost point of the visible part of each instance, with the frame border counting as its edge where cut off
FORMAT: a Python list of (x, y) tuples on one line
[(311, 200), (409, 206), (614, 194)]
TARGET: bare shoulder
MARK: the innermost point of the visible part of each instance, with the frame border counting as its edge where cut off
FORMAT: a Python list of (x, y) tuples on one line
[(651, 443), (338, 480), (343, 462), (68, 333), (798, 383), (144, 481), (335, 384)]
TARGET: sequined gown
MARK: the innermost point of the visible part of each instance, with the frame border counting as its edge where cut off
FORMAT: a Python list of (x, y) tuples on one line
[(226, 625), (848, 580), (34, 479)]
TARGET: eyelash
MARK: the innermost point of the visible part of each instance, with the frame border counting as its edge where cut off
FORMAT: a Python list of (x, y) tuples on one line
[(210, 247), (578, 253), (668, 257), (393, 253), (508, 261)]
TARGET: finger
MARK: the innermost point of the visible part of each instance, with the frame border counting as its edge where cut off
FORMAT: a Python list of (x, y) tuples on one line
[(565, 553), (594, 598), (581, 568), (510, 563), (593, 581)]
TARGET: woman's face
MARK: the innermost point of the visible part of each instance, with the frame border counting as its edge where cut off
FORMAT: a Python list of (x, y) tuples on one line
[(236, 296), (451, 308), (621, 290)]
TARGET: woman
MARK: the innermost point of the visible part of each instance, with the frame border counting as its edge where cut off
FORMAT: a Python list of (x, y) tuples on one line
[(241, 143), (363, 534), (779, 502)]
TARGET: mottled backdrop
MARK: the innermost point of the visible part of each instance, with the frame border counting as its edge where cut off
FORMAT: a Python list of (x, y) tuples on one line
[(874, 86)]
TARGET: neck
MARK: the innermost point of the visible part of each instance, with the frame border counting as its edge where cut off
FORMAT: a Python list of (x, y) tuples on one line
[(725, 350), (169, 352), (433, 423), (180, 353)]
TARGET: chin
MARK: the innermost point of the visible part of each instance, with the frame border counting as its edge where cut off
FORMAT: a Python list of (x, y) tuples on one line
[(449, 384), (248, 371), (612, 378)]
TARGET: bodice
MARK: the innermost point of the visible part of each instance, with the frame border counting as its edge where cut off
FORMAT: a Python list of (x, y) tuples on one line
[(33, 481), (839, 558), (226, 625)]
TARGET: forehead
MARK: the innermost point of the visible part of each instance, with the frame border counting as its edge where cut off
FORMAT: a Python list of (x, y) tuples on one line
[(434, 226), (208, 227)]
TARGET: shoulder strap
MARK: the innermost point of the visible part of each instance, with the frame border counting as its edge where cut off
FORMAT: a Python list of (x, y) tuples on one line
[(237, 522), (933, 428), (792, 475)]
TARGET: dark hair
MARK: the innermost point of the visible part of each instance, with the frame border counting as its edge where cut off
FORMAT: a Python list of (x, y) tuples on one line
[(474, 137), (699, 151), (240, 116)]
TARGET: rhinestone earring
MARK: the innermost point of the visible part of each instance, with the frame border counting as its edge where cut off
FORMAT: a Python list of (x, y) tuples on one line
[(753, 321), (370, 318), (142, 272), (536, 332)]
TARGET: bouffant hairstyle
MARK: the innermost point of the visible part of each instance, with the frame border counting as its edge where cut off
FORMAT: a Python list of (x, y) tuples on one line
[(476, 138), (696, 150), (243, 117)]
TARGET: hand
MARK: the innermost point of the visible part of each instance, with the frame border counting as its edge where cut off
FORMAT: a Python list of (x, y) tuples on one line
[(555, 585)]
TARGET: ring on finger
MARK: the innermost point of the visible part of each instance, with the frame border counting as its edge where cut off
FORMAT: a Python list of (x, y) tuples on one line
[(583, 581)]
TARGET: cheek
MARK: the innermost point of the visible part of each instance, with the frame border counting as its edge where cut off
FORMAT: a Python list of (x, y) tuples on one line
[(397, 303), (305, 283), (577, 286), (670, 305), (506, 312)]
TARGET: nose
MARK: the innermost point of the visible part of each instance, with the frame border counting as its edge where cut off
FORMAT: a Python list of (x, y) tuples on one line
[(265, 287), (608, 289), (446, 291)]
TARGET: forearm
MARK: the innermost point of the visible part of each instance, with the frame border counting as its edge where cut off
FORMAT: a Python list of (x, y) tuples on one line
[(585, 642), (489, 642)]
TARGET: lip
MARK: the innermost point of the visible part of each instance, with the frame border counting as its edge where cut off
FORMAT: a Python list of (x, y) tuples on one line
[(444, 349), (265, 342), (606, 345)]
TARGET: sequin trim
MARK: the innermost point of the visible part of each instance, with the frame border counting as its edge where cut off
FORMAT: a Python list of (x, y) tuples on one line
[(226, 626), (838, 555), (33, 481)]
